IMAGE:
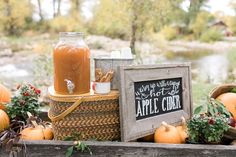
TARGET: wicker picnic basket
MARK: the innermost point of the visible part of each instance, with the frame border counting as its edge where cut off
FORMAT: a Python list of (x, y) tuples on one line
[(92, 116), (221, 89), (231, 133)]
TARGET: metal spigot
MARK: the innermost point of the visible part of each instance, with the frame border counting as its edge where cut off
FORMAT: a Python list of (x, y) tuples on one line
[(70, 86)]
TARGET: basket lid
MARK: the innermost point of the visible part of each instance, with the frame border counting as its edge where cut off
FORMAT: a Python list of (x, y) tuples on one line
[(91, 96)]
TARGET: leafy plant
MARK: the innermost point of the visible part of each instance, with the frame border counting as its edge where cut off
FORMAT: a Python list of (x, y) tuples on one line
[(11, 135), (78, 146), (209, 123), (73, 137), (211, 35), (212, 108), (169, 33), (207, 129), (25, 100)]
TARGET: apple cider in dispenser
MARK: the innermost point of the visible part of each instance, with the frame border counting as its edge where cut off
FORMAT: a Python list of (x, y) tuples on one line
[(71, 57)]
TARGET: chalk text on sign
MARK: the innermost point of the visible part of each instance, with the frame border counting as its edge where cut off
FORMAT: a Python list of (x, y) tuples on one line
[(157, 97), (147, 107), (170, 103)]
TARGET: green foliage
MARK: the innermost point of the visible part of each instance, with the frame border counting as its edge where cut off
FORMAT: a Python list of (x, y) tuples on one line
[(211, 35), (165, 12), (209, 123), (111, 19), (207, 129), (231, 56), (14, 15), (169, 33), (25, 100), (200, 92), (43, 70), (231, 22), (78, 146), (66, 24), (201, 23), (213, 107), (115, 18), (194, 9)]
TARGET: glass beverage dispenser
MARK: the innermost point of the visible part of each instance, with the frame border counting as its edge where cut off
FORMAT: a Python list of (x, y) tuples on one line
[(71, 57)]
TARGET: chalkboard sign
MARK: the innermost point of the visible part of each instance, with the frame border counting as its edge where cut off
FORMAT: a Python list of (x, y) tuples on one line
[(150, 94), (157, 97)]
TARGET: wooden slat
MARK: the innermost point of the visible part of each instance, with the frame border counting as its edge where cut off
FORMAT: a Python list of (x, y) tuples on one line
[(122, 149)]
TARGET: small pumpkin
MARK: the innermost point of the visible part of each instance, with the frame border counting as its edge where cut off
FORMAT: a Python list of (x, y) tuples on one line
[(4, 120), (5, 96), (167, 134), (37, 133), (229, 101), (182, 129)]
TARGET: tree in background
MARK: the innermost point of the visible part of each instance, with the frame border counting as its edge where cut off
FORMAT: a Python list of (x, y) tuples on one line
[(148, 17), (166, 12), (194, 9), (111, 19), (201, 23), (134, 19), (56, 11), (75, 8), (13, 15), (40, 10), (140, 17), (232, 4), (70, 22)]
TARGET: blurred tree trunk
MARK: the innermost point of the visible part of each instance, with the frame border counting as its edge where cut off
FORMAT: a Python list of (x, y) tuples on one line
[(10, 21), (54, 8), (75, 6), (194, 9), (59, 8), (133, 34), (133, 27), (8, 8), (40, 10), (56, 11)]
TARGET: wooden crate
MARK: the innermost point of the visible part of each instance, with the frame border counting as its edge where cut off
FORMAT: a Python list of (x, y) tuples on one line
[(119, 149)]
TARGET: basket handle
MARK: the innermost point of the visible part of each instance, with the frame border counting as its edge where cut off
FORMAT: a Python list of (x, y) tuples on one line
[(66, 112)]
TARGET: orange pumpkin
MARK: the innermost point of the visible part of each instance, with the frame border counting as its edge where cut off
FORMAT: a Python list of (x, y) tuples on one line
[(182, 129), (5, 96), (4, 120), (37, 133), (167, 134), (229, 101)]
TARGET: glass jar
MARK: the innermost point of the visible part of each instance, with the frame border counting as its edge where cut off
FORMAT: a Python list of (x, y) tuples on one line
[(71, 57)]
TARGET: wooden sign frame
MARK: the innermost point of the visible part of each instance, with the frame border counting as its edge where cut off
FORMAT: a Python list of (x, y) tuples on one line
[(131, 128)]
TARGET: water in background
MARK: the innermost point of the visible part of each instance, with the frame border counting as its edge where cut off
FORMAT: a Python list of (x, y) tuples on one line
[(206, 66)]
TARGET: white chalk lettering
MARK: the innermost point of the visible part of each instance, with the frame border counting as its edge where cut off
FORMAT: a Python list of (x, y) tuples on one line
[(139, 111), (171, 103), (156, 110), (147, 107)]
